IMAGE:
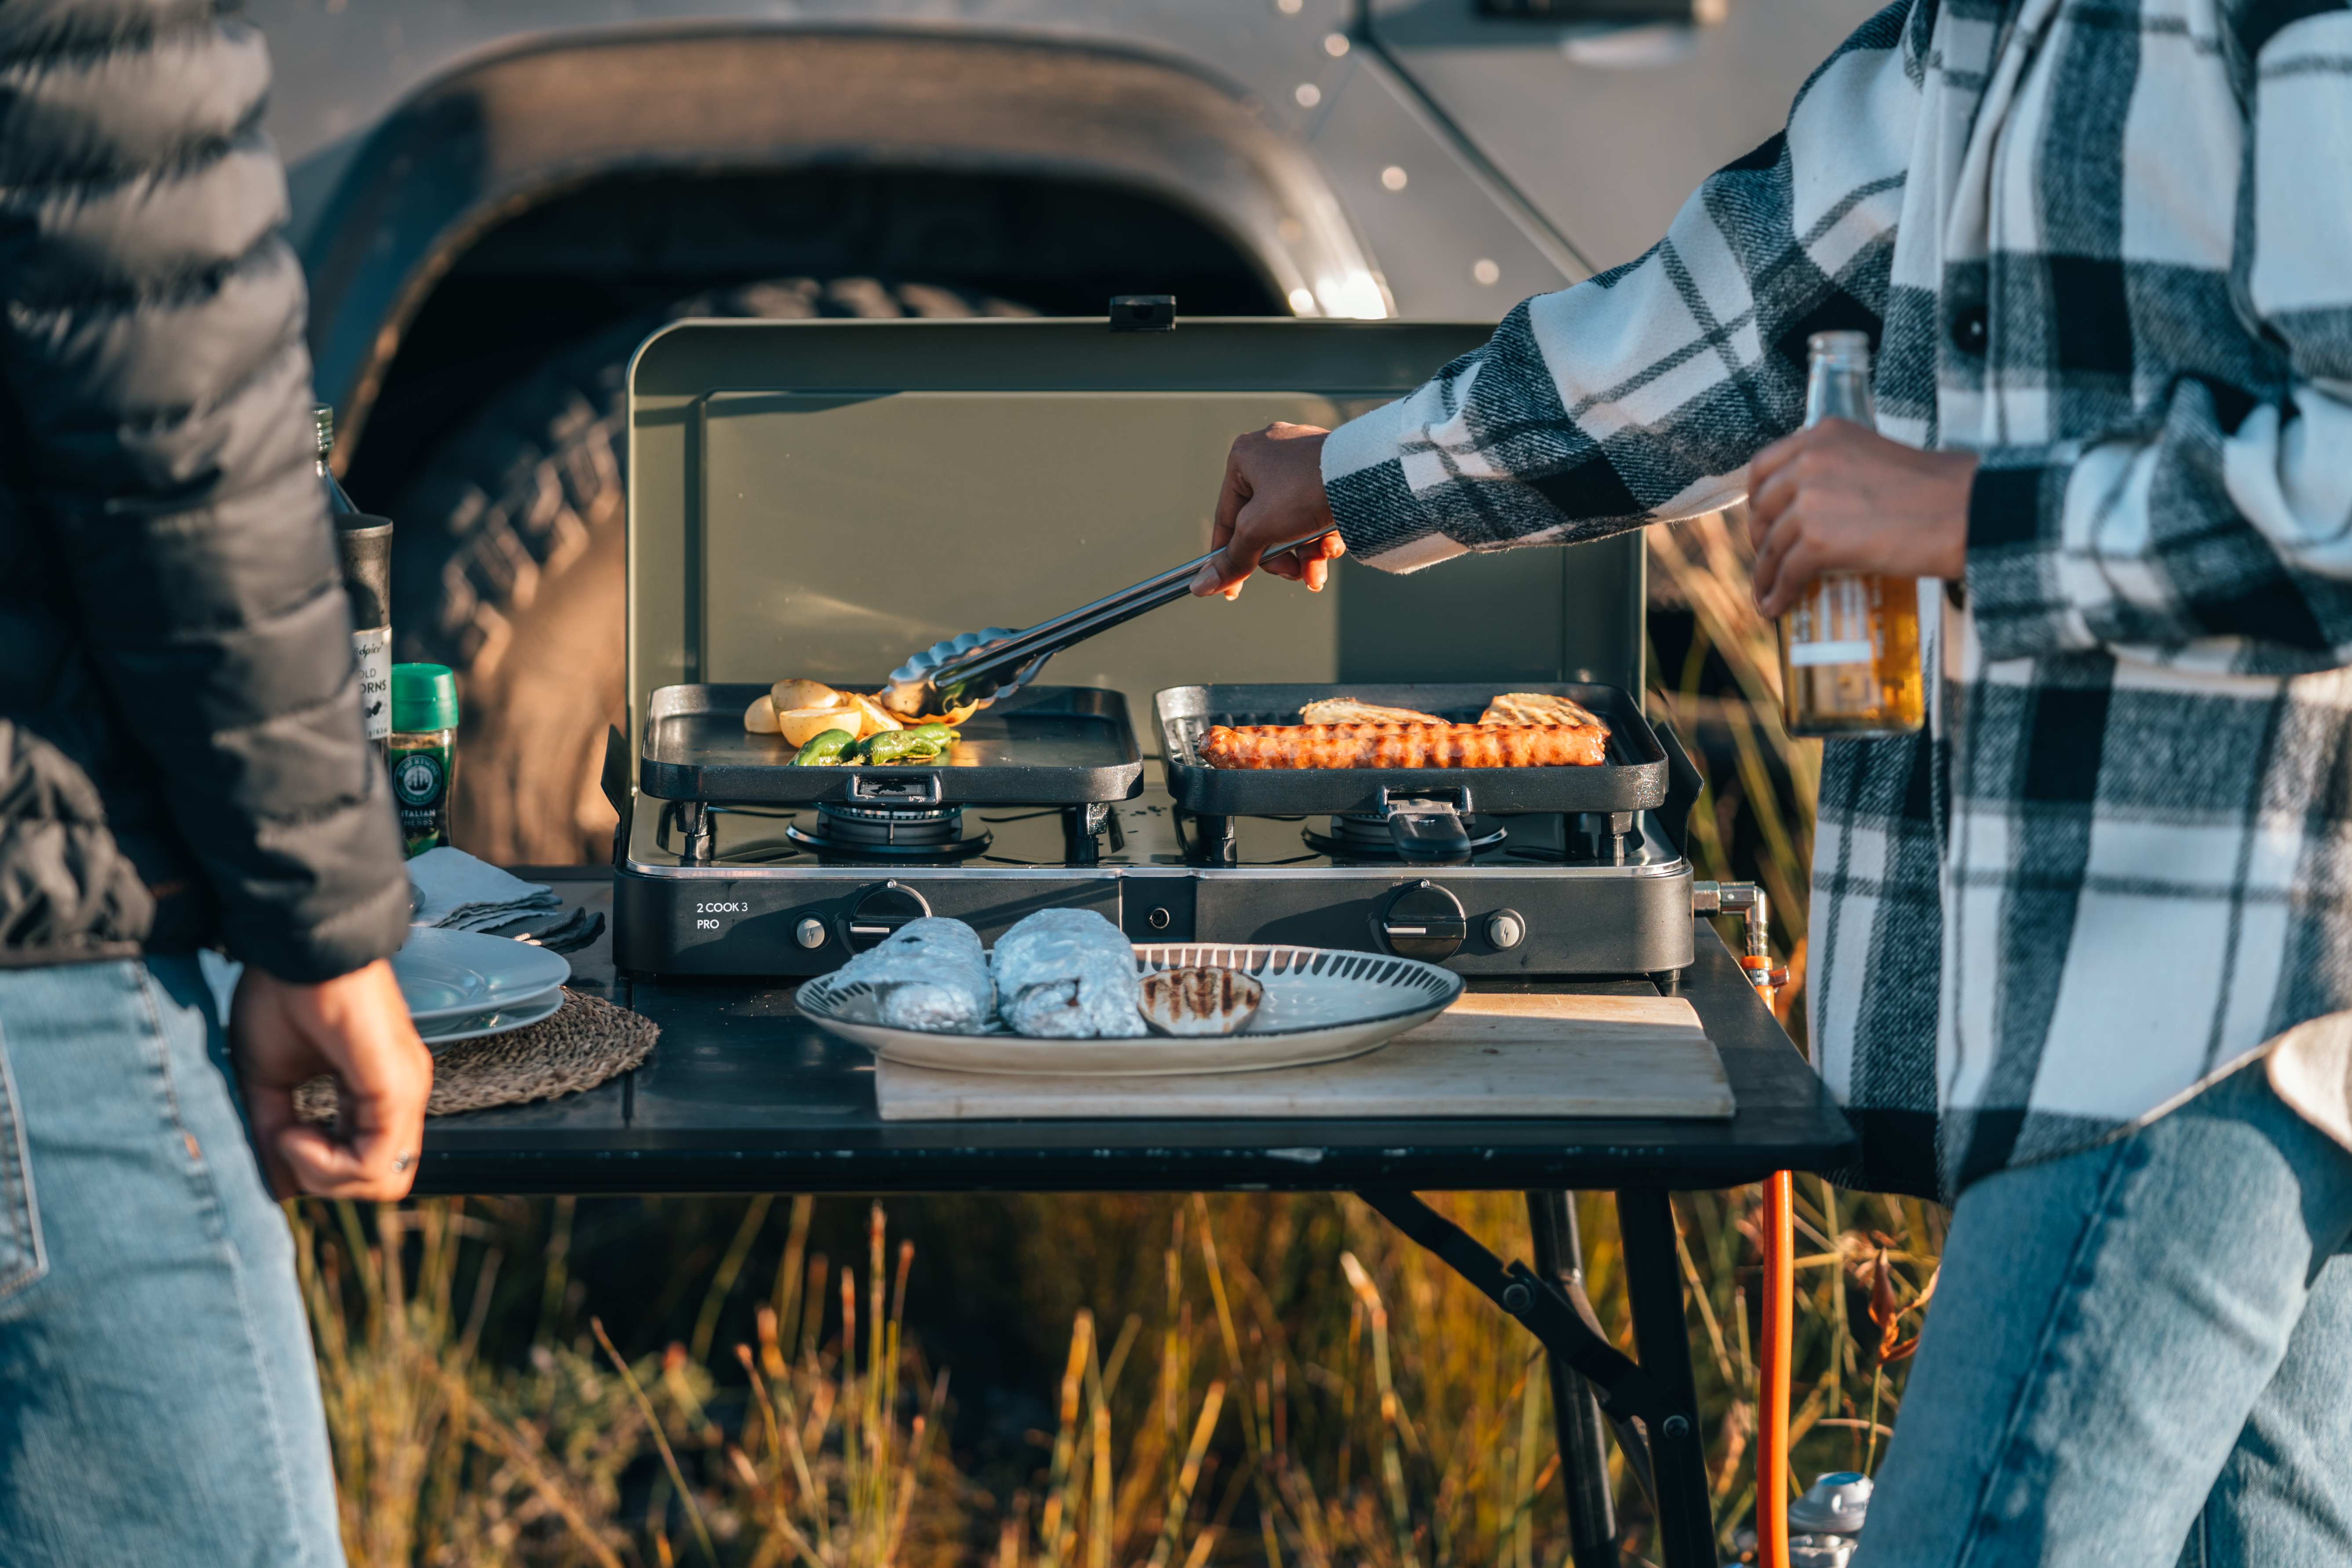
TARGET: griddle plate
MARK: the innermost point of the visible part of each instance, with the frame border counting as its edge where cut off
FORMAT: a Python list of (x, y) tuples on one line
[(1045, 746)]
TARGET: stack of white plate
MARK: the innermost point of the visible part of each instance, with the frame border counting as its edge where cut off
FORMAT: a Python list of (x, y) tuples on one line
[(462, 985)]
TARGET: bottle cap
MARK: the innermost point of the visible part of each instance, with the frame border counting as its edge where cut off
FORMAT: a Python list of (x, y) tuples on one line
[(424, 697), (322, 421), (1843, 345)]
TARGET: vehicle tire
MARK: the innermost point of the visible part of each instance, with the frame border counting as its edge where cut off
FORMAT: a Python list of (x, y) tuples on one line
[(508, 567)]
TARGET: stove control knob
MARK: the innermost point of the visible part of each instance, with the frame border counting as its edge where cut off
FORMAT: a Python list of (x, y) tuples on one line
[(876, 911), (1505, 929), (810, 932), (1422, 920)]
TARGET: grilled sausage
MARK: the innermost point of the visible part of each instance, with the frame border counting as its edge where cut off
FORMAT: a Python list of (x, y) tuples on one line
[(1404, 746)]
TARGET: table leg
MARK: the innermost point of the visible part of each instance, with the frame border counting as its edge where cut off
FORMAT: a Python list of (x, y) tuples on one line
[(1576, 1415), (1653, 1283)]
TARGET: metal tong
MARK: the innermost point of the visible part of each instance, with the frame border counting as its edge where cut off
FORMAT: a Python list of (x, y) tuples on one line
[(980, 667)]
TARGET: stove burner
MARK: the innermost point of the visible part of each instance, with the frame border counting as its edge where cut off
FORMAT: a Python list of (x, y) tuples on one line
[(1366, 837), (888, 832)]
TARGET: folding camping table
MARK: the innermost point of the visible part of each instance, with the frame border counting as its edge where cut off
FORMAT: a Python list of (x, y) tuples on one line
[(743, 1095)]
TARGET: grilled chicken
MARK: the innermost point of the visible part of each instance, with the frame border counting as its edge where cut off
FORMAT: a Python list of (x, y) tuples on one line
[(1535, 707), (1200, 1001), (1404, 746), (1348, 710)]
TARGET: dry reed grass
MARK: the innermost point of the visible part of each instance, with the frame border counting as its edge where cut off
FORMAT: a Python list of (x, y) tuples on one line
[(1297, 1384), (1273, 1379)]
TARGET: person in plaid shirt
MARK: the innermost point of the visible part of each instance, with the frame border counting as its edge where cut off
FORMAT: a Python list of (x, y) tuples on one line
[(2083, 948)]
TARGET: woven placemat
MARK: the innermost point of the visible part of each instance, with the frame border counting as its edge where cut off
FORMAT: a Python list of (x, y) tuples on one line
[(588, 1041)]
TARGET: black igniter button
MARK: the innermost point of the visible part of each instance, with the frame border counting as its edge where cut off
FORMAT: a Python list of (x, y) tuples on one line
[(1424, 921)]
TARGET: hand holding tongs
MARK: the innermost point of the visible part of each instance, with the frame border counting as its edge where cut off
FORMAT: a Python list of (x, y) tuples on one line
[(980, 667)]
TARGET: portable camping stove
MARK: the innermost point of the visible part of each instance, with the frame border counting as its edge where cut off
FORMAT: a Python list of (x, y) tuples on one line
[(732, 869), (824, 499)]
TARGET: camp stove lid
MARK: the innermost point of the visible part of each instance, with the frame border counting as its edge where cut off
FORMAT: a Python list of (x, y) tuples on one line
[(819, 499)]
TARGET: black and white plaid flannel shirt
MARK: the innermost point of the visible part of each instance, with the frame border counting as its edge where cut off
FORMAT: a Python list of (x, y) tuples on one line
[(2107, 244)]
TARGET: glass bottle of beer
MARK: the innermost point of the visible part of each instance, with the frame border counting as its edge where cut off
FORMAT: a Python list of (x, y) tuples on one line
[(364, 543), (1849, 645)]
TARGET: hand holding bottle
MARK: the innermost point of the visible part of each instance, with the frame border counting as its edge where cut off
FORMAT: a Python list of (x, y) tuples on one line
[(1845, 523), (1836, 497)]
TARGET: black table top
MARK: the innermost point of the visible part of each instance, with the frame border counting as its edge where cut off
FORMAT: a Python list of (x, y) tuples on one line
[(742, 1094)]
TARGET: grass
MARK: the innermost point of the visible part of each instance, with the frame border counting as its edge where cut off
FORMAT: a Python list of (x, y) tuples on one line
[(1240, 1379), (1293, 1383)]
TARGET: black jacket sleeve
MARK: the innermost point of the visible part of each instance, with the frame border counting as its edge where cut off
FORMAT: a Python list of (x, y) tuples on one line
[(153, 350)]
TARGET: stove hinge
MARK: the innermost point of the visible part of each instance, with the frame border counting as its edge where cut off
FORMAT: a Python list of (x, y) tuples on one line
[(1600, 836), (698, 825), (1082, 829)]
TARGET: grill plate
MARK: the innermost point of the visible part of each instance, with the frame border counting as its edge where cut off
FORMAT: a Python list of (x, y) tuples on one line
[(1633, 779)]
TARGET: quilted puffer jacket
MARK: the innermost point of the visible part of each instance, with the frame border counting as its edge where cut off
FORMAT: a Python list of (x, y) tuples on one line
[(182, 754)]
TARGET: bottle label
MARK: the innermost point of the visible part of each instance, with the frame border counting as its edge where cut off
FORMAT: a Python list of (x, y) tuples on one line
[(1805, 655), (373, 649)]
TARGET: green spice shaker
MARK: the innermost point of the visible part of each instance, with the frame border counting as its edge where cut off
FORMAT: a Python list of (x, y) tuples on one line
[(423, 752)]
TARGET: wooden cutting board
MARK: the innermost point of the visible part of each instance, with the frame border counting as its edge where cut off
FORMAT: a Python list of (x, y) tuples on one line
[(1493, 1054)]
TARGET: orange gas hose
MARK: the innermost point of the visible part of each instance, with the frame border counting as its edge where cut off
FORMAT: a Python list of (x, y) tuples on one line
[(1779, 1272), (1773, 1375)]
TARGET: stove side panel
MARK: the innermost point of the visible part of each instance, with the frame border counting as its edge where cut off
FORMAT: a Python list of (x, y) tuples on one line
[(753, 925), (1574, 925)]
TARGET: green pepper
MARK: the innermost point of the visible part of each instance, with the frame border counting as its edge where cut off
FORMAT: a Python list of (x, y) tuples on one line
[(892, 746), (939, 737), (824, 750)]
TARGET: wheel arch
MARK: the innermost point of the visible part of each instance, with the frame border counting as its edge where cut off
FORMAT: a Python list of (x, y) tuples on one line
[(496, 137)]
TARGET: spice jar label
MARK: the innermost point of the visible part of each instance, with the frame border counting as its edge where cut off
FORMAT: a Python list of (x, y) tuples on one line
[(374, 649)]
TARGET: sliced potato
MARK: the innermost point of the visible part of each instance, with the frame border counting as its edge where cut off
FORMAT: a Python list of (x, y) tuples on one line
[(793, 696), (873, 720), (760, 716), (905, 700), (803, 725)]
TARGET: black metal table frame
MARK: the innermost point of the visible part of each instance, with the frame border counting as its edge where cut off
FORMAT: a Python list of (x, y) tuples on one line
[(736, 1100)]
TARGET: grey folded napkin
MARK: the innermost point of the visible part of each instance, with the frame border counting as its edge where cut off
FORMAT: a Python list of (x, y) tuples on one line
[(457, 893)]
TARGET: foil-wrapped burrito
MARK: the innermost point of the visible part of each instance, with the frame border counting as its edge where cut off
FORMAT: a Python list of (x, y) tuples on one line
[(929, 974), (1067, 974)]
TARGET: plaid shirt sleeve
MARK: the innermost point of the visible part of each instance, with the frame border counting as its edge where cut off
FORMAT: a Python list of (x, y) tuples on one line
[(1641, 394), (2219, 535)]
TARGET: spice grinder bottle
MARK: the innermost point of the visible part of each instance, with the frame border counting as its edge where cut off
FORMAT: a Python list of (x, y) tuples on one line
[(364, 543), (423, 752), (1849, 645)]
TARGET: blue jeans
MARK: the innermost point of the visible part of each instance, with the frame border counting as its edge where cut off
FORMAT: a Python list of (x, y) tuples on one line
[(158, 1399), (2139, 1355)]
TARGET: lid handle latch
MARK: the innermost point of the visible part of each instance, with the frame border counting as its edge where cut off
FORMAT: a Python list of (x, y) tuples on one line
[(1143, 313)]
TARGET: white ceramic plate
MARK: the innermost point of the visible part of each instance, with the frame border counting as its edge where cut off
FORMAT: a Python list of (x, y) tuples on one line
[(1321, 1005), (474, 1025), (456, 974)]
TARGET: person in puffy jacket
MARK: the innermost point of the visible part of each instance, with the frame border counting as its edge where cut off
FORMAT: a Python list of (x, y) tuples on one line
[(182, 765)]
